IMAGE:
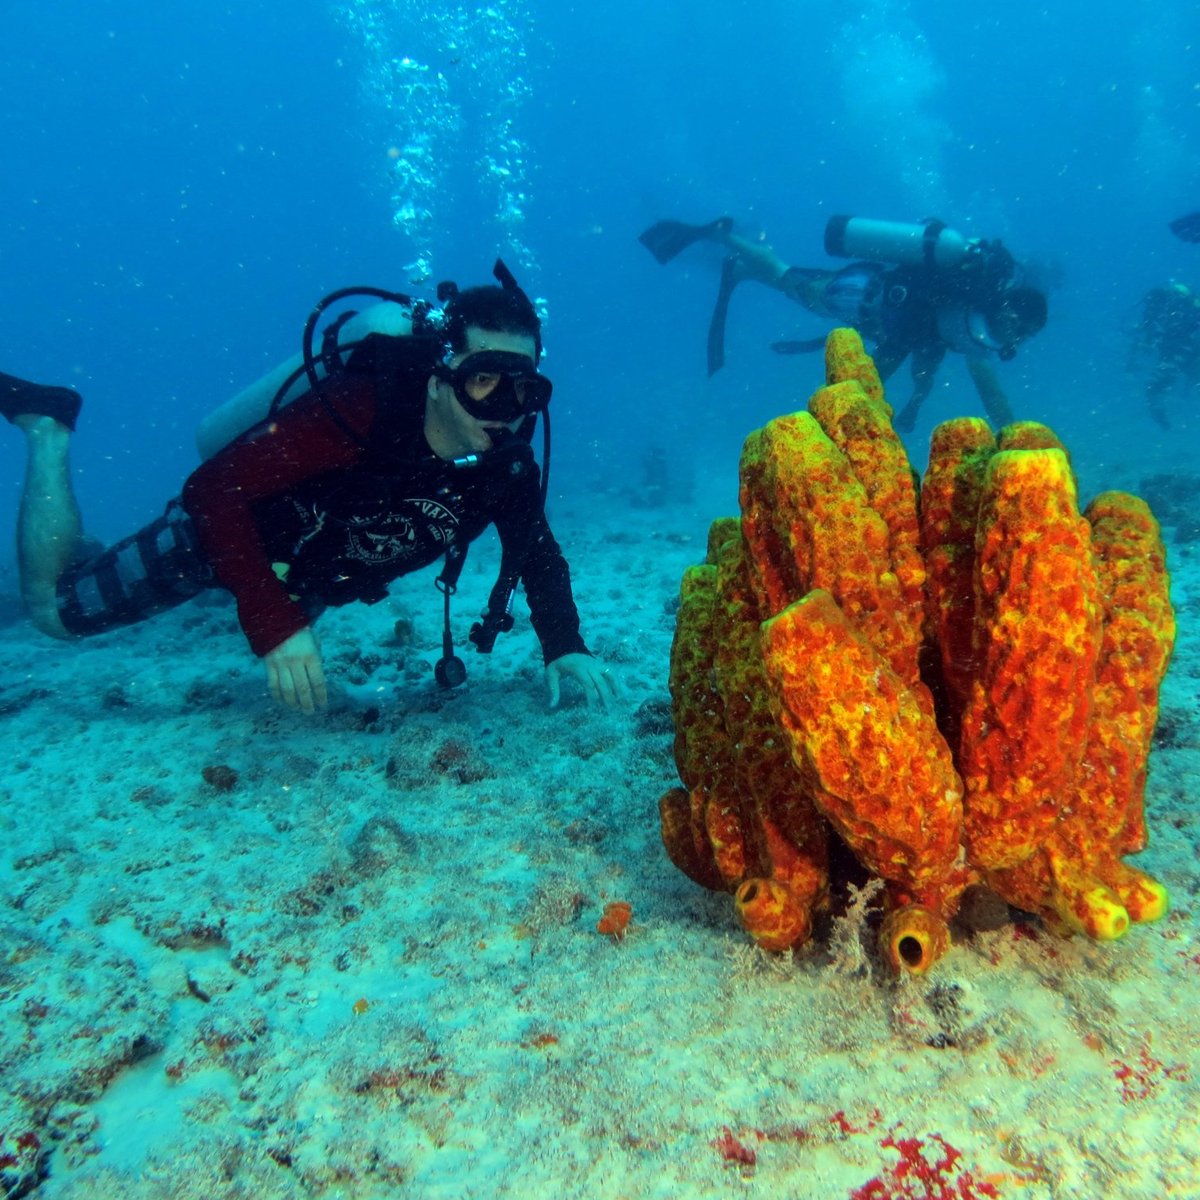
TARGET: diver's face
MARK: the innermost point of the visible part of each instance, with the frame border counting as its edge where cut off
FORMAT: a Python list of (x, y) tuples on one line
[(1017, 317), (1006, 327), (1009, 326), (449, 429)]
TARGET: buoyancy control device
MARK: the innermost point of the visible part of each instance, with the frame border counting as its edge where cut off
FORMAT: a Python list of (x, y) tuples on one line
[(396, 315)]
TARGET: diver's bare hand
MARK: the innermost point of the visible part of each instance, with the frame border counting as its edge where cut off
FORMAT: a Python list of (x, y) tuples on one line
[(294, 672), (599, 686)]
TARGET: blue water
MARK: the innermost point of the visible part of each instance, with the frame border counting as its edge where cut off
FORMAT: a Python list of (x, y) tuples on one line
[(181, 182)]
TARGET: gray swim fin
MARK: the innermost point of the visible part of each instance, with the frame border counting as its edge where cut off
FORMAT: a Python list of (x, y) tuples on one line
[(666, 239)]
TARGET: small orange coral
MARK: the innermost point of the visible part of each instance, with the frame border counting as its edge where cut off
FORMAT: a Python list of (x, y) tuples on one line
[(615, 919)]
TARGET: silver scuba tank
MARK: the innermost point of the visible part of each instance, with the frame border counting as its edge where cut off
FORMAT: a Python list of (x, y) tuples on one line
[(252, 404), (928, 243)]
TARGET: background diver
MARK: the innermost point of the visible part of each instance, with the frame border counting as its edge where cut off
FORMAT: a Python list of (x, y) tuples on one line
[(1166, 339), (1187, 227), (915, 291)]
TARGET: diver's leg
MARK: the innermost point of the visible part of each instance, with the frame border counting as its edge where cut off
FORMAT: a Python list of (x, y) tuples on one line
[(806, 286), (924, 369), (1161, 382), (887, 358), (995, 402), (49, 528)]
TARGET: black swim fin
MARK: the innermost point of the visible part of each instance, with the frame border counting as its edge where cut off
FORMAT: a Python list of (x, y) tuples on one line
[(807, 346), (19, 396), (716, 327), (666, 239), (1187, 228)]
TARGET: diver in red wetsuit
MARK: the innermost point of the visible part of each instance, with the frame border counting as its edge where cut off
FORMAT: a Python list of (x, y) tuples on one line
[(404, 452)]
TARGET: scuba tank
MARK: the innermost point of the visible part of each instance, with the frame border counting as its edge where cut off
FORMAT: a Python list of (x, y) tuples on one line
[(930, 243), (972, 269), (396, 316)]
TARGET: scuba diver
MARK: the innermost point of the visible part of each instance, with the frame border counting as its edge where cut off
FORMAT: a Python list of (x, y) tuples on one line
[(399, 442), (1167, 339), (915, 291), (1187, 228)]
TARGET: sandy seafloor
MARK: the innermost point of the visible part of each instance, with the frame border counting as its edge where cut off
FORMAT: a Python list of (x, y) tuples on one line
[(371, 967)]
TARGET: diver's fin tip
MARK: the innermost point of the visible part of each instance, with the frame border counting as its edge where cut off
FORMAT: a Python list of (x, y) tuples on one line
[(667, 239)]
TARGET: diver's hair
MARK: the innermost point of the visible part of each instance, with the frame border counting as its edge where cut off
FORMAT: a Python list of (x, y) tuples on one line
[(500, 310)]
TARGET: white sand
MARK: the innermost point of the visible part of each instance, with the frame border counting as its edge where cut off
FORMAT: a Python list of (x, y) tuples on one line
[(182, 966)]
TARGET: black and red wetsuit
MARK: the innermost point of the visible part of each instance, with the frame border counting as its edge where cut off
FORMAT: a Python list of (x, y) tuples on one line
[(313, 509)]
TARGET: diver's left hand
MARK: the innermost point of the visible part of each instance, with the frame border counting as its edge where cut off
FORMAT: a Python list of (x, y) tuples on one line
[(590, 673)]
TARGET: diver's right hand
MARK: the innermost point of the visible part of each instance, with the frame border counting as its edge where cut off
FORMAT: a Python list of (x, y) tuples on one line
[(294, 672)]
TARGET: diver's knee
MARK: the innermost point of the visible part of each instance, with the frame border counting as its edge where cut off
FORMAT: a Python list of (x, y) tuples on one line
[(85, 549), (805, 288)]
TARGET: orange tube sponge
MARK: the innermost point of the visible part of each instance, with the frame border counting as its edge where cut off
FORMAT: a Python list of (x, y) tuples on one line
[(808, 524), (703, 755), (913, 938), (959, 453), (1065, 894), (772, 914), (787, 833), (1143, 897), (777, 463), (1139, 635), (1037, 636), (861, 428), (1077, 876), (868, 751), (807, 694), (685, 838), (736, 661), (1030, 435), (721, 533), (726, 826), (703, 836), (846, 359), (743, 813), (792, 843), (1098, 897)]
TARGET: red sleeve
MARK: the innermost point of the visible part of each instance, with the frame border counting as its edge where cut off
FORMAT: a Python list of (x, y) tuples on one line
[(304, 441)]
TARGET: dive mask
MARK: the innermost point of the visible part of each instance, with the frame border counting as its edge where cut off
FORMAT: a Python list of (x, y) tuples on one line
[(498, 385)]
